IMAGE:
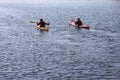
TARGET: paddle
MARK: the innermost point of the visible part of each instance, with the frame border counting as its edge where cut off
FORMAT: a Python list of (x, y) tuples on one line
[(32, 22), (37, 22)]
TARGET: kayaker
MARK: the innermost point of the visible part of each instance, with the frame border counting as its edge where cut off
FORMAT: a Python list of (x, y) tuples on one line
[(42, 23), (78, 22)]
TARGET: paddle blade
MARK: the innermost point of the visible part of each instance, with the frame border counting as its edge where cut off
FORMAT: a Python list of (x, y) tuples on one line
[(47, 23), (32, 22)]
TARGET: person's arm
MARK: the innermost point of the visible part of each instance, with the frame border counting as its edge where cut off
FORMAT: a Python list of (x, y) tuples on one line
[(81, 23), (76, 22), (38, 23), (47, 23)]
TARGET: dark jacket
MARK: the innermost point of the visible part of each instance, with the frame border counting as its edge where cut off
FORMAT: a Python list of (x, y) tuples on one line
[(79, 23), (42, 24)]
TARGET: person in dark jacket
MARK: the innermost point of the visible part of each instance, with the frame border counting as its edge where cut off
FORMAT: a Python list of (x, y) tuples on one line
[(78, 22), (42, 23)]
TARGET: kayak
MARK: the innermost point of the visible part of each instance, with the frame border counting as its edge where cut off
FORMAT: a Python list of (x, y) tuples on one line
[(42, 28), (72, 23), (39, 27)]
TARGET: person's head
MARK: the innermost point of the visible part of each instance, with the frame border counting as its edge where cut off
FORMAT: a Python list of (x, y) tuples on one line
[(41, 19), (78, 18)]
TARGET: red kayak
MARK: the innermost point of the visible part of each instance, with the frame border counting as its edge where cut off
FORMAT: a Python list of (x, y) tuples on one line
[(72, 23)]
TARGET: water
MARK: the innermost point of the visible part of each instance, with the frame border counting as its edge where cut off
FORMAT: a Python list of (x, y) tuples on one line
[(63, 53)]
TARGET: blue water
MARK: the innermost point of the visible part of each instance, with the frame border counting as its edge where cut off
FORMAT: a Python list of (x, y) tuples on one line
[(64, 52)]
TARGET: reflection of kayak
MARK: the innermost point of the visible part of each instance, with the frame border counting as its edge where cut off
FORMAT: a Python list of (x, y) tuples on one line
[(72, 23), (42, 28)]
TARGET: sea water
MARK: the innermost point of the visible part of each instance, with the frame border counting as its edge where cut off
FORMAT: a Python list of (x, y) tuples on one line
[(64, 52)]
